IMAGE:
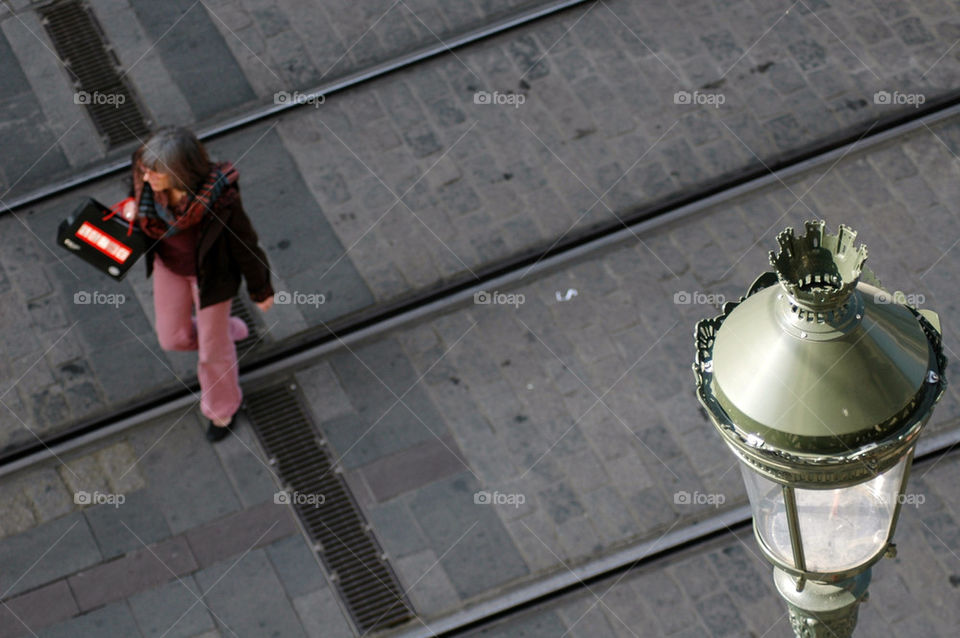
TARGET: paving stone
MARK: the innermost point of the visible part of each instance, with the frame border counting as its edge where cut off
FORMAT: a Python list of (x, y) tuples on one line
[(577, 537), (128, 526), (413, 468), (589, 618), (247, 597), (75, 134), (374, 377), (609, 513), (240, 532), (83, 473), (28, 613), (142, 63), (542, 623), (112, 365), (743, 572), (140, 570), (296, 566), (38, 155), (321, 615), (190, 64), (254, 480), (427, 584), (182, 474), (173, 609), (48, 494), (474, 558), (720, 615), (121, 467), (664, 596), (18, 512), (110, 621)]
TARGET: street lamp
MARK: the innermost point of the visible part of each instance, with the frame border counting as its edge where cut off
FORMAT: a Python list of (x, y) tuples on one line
[(820, 385)]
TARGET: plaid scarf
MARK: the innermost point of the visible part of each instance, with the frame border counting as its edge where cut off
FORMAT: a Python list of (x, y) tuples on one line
[(158, 220)]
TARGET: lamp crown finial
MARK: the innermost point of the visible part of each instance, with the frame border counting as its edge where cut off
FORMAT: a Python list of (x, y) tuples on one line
[(818, 271)]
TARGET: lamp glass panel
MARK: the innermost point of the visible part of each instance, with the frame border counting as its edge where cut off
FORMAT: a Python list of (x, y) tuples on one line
[(841, 528), (846, 527), (769, 513)]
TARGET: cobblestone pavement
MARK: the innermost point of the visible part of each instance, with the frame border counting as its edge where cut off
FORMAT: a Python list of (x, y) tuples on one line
[(408, 182), (159, 534), (726, 589), (168, 52), (549, 423), (570, 392)]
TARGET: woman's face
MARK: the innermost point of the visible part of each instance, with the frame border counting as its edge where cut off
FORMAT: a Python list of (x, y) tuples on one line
[(158, 181)]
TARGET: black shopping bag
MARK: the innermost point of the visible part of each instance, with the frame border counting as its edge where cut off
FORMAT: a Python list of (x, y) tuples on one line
[(102, 237)]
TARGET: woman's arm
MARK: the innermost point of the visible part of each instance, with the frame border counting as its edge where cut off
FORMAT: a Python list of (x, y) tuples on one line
[(246, 251)]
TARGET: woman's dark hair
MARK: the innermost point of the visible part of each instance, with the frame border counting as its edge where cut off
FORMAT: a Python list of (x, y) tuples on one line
[(176, 151)]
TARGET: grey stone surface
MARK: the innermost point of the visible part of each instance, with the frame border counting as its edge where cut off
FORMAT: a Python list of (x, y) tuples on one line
[(127, 527), (75, 133), (392, 414), (182, 474), (533, 426), (247, 598), (396, 528), (193, 52), (477, 552), (240, 532), (45, 553), (24, 127), (27, 613), (117, 579), (111, 621), (253, 479), (173, 609), (321, 616), (142, 63), (296, 566), (339, 173), (412, 468), (426, 584)]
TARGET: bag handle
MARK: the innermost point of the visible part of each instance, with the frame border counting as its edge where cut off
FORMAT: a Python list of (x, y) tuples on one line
[(118, 208)]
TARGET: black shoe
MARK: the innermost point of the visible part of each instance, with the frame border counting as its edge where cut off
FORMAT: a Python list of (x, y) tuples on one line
[(219, 432)]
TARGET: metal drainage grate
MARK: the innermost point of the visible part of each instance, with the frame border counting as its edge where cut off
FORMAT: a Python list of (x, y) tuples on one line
[(98, 82), (240, 309), (342, 537)]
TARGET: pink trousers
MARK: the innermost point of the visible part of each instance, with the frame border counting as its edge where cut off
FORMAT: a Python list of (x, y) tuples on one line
[(174, 298)]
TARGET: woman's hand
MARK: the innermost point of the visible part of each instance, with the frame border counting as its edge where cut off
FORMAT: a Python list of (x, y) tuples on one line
[(129, 209), (266, 304)]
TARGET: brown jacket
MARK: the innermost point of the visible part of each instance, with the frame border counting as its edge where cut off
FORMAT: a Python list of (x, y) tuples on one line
[(227, 248)]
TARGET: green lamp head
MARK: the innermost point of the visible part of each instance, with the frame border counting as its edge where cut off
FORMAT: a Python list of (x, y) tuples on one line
[(814, 378)]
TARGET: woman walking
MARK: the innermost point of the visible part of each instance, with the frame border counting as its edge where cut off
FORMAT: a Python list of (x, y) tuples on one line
[(204, 243)]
